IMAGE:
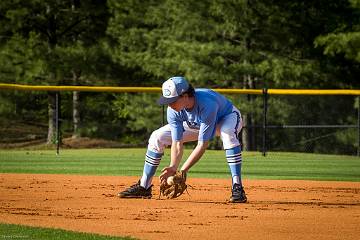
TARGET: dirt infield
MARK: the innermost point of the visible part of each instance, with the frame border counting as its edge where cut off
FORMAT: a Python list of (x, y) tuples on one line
[(276, 209)]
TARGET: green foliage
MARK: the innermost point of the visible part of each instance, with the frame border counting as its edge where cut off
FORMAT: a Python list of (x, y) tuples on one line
[(98, 118), (345, 39), (222, 43), (23, 106), (347, 137), (6, 106), (44, 41), (341, 43), (295, 110), (20, 61), (214, 43), (142, 113), (50, 43)]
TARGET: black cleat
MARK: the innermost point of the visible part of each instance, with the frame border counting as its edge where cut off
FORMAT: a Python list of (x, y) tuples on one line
[(238, 194), (136, 191)]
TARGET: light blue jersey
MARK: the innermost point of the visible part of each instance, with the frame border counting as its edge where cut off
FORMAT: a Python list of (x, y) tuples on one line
[(209, 109)]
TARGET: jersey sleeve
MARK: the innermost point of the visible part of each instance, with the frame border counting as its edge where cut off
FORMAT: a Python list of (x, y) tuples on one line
[(208, 122), (176, 125)]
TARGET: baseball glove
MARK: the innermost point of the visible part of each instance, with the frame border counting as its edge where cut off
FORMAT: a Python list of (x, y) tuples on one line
[(176, 187)]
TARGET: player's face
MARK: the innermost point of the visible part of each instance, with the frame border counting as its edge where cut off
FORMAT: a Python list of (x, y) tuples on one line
[(178, 105)]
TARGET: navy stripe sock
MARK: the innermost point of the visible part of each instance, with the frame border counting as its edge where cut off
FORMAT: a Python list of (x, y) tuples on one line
[(234, 159), (152, 161)]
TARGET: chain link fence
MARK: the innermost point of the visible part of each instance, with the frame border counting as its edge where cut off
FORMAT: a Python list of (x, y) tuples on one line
[(326, 124)]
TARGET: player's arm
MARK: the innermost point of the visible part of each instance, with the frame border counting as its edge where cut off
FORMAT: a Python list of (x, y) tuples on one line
[(177, 149), (177, 129), (195, 155)]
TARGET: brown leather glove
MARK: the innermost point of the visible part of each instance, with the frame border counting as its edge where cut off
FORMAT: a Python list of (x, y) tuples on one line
[(176, 188)]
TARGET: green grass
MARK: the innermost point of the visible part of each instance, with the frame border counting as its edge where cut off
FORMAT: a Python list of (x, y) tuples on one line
[(129, 162), (11, 231)]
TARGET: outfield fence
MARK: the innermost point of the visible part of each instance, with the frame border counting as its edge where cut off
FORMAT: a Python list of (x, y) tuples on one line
[(303, 120)]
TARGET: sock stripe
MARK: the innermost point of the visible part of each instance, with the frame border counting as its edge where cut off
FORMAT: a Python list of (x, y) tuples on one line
[(152, 161), (234, 163), (152, 164), (153, 158), (233, 155), (233, 158)]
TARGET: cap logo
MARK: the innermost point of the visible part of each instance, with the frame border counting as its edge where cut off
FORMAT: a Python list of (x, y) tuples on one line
[(167, 92)]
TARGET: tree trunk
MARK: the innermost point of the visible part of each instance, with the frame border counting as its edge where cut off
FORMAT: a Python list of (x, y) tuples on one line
[(248, 134), (52, 42), (76, 115), (76, 95), (76, 107), (245, 133), (51, 138), (252, 135)]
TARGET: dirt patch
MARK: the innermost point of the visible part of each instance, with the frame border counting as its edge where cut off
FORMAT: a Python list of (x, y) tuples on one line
[(276, 209)]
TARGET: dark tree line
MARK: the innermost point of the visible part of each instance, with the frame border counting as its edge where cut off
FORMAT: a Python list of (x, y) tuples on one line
[(214, 43)]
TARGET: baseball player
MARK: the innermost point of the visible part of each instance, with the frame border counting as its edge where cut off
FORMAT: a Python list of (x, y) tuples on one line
[(192, 115)]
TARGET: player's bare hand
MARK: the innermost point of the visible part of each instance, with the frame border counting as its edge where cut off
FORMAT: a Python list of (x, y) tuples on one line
[(167, 172)]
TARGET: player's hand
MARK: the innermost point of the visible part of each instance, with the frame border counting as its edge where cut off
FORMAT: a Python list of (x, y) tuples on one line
[(167, 172)]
